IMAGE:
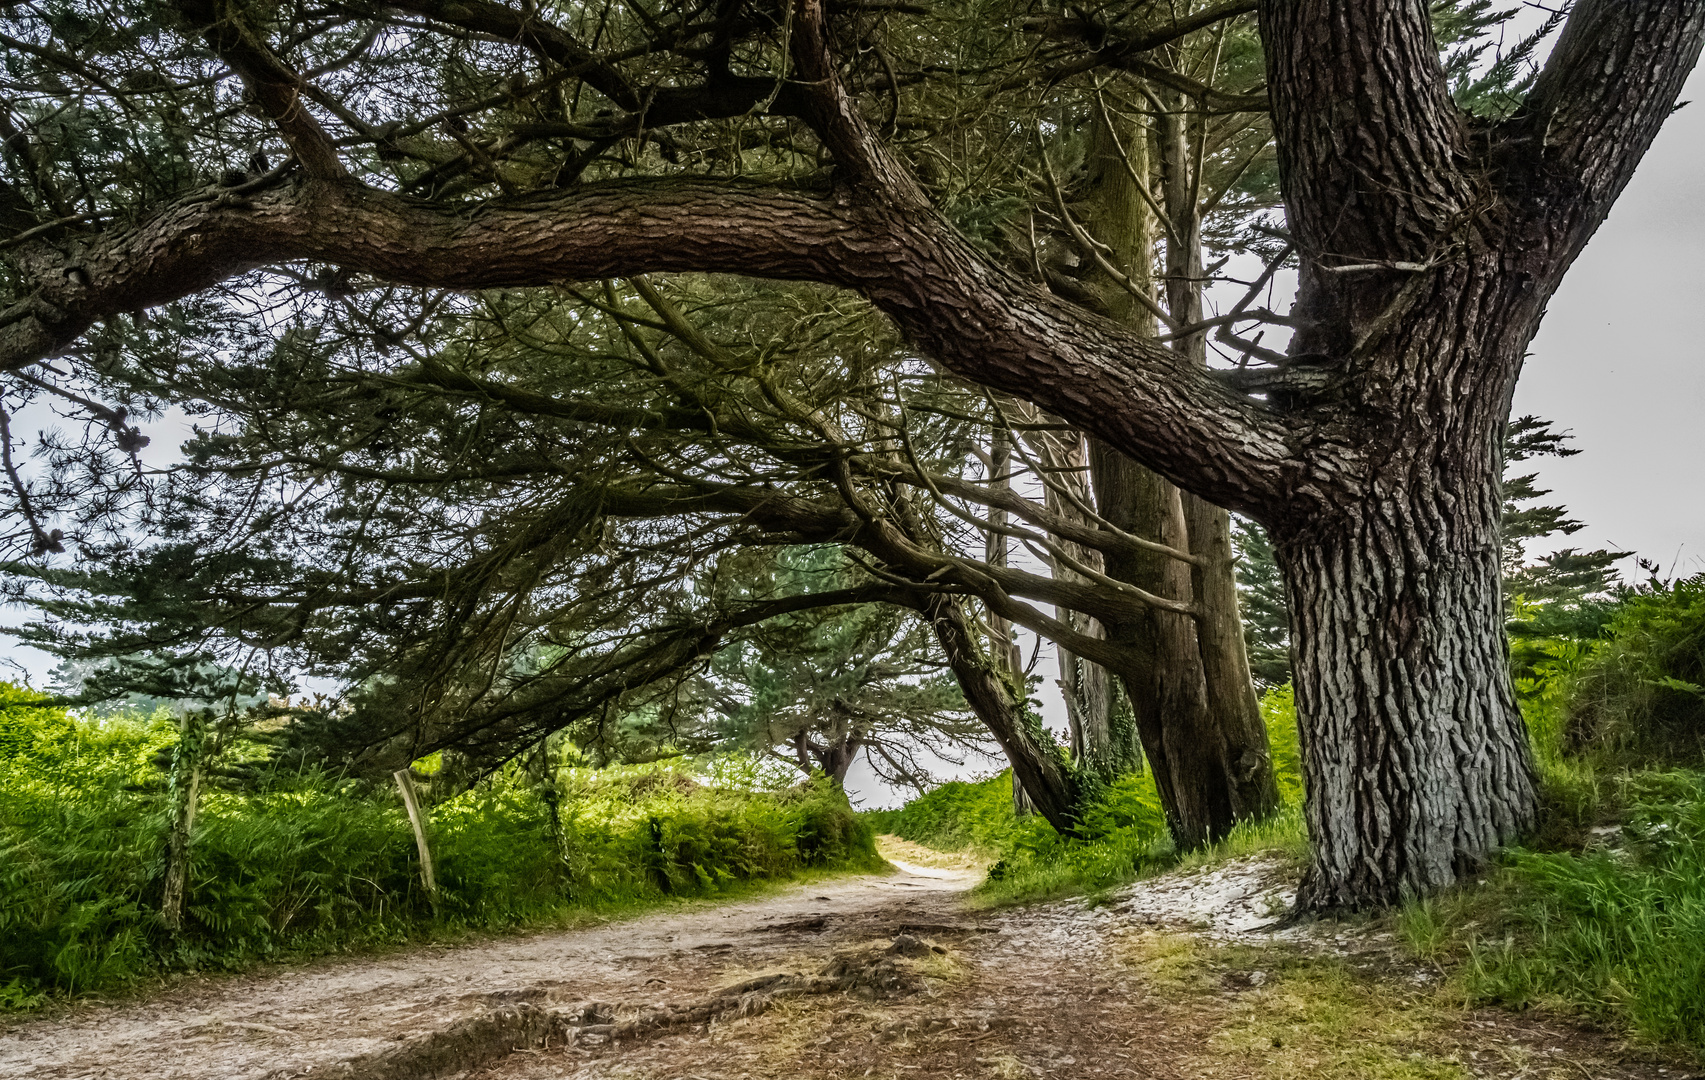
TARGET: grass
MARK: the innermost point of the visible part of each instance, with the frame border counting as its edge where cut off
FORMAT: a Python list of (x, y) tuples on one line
[(1312, 1018), (1614, 933), (290, 865), (1602, 914), (1124, 835)]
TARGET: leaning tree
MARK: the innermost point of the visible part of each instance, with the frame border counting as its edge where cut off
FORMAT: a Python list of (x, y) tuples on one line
[(466, 144)]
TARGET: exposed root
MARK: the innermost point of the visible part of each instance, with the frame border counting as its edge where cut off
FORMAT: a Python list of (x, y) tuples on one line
[(870, 971)]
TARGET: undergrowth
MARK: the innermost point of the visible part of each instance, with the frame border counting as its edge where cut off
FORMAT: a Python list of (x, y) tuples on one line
[(1123, 834), (1603, 912), (307, 862)]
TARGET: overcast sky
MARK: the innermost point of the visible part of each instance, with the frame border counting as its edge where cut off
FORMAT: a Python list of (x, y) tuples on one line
[(1618, 360)]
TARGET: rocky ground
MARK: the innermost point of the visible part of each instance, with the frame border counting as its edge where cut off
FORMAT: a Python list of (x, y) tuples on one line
[(1182, 976)]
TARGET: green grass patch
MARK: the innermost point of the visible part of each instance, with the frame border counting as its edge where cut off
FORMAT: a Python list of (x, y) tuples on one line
[(1614, 932), (1123, 837), (288, 865), (1314, 1019)]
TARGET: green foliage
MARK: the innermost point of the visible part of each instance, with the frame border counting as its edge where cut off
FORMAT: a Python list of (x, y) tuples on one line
[(1617, 934), (1605, 911), (1261, 596), (820, 686), (1279, 713), (1466, 30), (1123, 835), (306, 862), (1636, 695)]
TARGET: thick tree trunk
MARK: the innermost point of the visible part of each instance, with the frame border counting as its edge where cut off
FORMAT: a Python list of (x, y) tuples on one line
[(1416, 757), (837, 757), (1165, 680)]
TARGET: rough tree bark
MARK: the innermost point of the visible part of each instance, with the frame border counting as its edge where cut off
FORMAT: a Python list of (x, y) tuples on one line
[(1429, 247), (1429, 244), (1189, 685), (1037, 769)]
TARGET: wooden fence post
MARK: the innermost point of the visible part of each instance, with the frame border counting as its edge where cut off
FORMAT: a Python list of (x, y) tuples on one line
[(405, 784), (184, 788)]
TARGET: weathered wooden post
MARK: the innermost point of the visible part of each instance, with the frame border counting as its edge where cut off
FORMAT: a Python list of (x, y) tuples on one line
[(405, 785)]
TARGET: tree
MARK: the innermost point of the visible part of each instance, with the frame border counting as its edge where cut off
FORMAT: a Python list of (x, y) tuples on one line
[(1266, 618), (819, 687), (1429, 240), (1560, 594)]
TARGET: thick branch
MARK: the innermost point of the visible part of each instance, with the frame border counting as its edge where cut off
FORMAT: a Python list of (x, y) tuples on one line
[(971, 315), (1369, 141), (1611, 81)]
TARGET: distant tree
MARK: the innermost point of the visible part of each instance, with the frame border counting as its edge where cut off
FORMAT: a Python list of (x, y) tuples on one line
[(818, 688), (1555, 589), (1266, 617)]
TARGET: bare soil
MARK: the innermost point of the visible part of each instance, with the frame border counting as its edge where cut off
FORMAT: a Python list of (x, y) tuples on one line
[(1183, 977)]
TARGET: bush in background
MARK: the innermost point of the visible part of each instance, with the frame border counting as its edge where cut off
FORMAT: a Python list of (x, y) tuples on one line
[(307, 862), (1638, 696)]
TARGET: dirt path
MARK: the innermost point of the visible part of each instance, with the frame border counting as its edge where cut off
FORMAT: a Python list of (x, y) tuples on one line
[(284, 1022), (1178, 978)]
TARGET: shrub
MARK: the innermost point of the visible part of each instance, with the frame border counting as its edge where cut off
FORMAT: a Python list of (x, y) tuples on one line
[(1639, 694), (308, 862)]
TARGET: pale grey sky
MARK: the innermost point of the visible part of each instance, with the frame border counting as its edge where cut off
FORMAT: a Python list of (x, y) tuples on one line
[(1619, 360)]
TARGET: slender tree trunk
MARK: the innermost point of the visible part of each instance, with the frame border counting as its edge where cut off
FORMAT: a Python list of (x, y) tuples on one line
[(1099, 741), (1232, 703), (1194, 703), (994, 553), (1165, 681), (417, 821), (1001, 640), (1037, 766), (188, 759)]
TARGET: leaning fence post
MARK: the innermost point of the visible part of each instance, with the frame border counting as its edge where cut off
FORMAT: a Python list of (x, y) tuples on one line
[(405, 784)]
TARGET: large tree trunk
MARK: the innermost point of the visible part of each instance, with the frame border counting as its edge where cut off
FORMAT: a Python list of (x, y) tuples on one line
[(1417, 760), (1189, 684), (1353, 449)]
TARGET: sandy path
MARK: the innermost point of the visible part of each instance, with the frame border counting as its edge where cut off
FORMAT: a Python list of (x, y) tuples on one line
[(1164, 980), (304, 1019)]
